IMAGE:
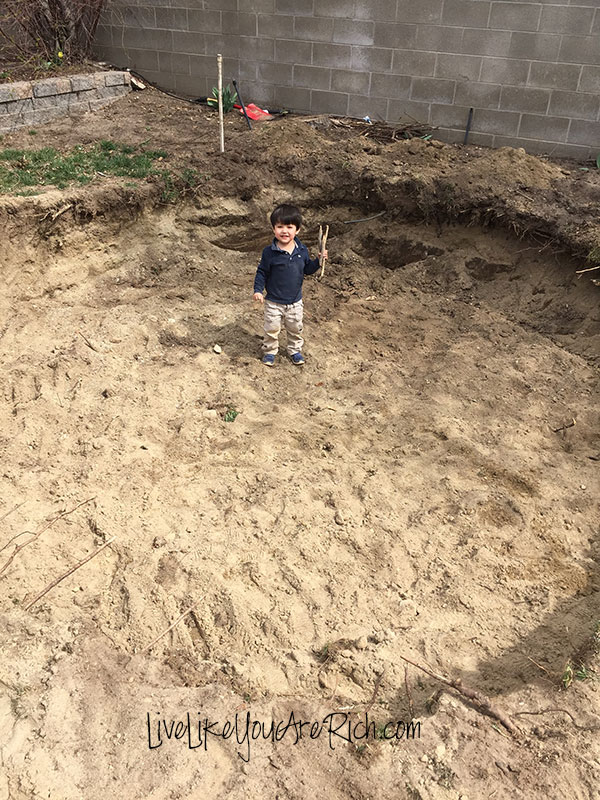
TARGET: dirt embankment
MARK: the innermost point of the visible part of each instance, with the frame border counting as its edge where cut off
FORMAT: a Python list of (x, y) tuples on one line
[(425, 487)]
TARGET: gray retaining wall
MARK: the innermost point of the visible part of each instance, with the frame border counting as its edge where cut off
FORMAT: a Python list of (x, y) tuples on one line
[(32, 103), (530, 70)]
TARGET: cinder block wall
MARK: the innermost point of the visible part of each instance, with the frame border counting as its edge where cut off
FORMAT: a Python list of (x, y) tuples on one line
[(530, 70)]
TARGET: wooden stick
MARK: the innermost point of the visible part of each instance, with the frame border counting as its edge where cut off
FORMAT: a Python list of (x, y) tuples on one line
[(170, 628), (35, 536), (322, 246), (591, 269), (220, 90), (69, 572), (470, 694)]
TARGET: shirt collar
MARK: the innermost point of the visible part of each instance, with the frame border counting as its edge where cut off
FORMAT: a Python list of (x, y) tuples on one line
[(276, 247)]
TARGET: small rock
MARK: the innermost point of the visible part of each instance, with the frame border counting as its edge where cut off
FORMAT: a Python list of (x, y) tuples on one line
[(217, 349), (346, 653), (159, 541), (339, 518), (361, 643), (440, 751), (210, 413), (424, 758)]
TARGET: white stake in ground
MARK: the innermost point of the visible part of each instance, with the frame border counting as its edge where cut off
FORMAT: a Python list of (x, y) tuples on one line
[(220, 88)]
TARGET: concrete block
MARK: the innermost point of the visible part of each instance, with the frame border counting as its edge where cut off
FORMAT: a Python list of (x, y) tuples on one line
[(485, 43), (260, 93), (395, 35), (536, 126), (51, 86), (406, 110), (419, 11), (338, 56), (413, 62), (478, 95), (192, 85), (372, 59), (459, 67), (432, 90), (298, 8), (82, 83), (509, 71), (515, 16), (204, 21), (333, 8), (375, 9), (103, 35), (117, 78), (20, 90), (449, 116), (218, 5), (150, 39), (524, 99), (439, 38), (394, 86), (178, 63), (135, 16), (313, 29), (343, 80), (505, 123), (290, 51), (575, 105), (228, 46), (471, 13), (170, 19), (248, 71), (59, 101), (590, 80), (257, 6), (328, 103), (580, 49), (144, 61), (363, 106), (240, 24), (280, 74), (554, 76), (348, 31), (452, 136), (100, 102), (566, 19), (536, 46), (312, 77), (596, 24), (260, 49), (292, 99), (277, 26)]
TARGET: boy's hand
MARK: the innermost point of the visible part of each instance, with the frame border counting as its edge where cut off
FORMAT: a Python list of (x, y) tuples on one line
[(324, 254), (258, 296)]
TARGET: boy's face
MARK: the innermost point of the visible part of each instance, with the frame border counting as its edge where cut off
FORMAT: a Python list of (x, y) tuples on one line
[(284, 233)]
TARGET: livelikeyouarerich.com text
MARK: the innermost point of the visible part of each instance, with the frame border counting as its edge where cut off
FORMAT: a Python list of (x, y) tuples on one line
[(195, 731)]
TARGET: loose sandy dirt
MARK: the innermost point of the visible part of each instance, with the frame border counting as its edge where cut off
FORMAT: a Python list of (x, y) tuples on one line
[(425, 487)]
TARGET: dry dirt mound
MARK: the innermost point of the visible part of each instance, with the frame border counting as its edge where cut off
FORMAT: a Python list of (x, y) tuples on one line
[(424, 488)]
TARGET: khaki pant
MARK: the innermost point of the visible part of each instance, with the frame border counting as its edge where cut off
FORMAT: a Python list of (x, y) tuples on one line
[(291, 316)]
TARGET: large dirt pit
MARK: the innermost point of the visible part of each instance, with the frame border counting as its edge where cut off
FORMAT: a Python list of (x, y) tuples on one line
[(424, 488)]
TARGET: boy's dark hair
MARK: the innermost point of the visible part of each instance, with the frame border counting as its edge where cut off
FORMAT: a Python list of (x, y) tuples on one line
[(286, 215)]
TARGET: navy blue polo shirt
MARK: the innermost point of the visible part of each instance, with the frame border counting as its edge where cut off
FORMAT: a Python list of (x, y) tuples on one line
[(282, 273)]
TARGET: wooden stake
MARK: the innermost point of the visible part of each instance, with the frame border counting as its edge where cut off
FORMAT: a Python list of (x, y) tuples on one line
[(220, 89)]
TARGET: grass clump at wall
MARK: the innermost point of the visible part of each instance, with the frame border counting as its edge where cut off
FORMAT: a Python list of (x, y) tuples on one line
[(22, 169)]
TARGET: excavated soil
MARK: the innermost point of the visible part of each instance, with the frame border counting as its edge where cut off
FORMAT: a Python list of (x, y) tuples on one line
[(424, 488)]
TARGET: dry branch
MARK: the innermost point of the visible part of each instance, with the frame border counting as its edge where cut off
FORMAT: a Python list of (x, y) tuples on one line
[(35, 536), (481, 702), (69, 572), (170, 628)]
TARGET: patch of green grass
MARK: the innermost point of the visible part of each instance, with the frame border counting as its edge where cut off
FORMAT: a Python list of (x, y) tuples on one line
[(47, 167)]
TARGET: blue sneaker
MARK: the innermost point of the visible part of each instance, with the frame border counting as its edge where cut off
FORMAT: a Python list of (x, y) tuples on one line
[(269, 360), (297, 359)]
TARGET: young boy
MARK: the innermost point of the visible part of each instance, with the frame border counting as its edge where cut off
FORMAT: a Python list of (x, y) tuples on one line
[(281, 271)]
